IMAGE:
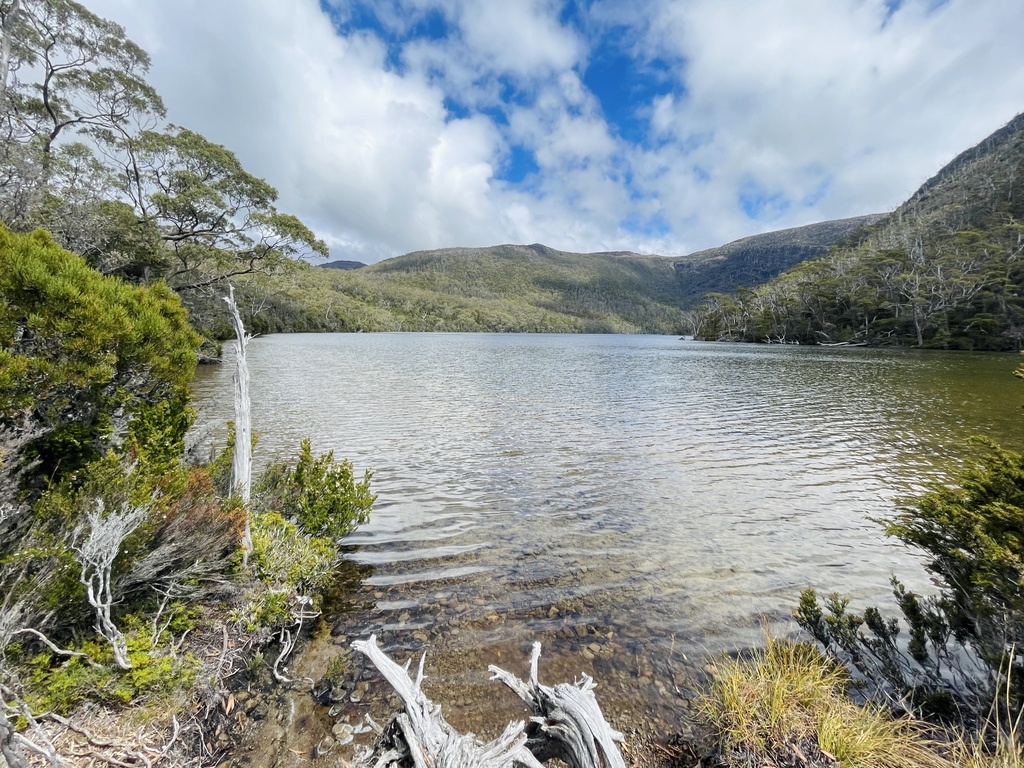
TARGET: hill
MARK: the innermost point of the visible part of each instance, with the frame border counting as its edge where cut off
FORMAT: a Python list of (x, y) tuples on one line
[(342, 264), (945, 269), (530, 288), (754, 260), (534, 288)]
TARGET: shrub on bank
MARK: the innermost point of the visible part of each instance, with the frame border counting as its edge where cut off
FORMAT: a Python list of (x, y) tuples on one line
[(963, 646)]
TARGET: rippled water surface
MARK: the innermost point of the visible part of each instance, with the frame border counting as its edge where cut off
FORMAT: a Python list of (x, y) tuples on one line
[(628, 500)]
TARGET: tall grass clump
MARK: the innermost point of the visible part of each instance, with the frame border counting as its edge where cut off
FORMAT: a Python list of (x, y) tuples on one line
[(786, 704)]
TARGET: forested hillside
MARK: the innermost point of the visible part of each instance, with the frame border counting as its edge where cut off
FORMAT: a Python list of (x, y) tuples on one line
[(505, 288), (944, 270), (754, 260), (529, 288)]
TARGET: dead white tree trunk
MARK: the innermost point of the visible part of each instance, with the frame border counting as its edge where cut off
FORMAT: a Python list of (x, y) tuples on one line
[(96, 554), (9, 22), (567, 723), (241, 461), (420, 732)]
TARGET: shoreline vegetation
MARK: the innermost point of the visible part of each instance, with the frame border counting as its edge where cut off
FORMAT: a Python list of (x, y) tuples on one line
[(136, 628)]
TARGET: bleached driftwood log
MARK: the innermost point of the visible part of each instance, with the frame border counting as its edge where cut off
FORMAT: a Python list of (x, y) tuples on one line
[(567, 723), (419, 735)]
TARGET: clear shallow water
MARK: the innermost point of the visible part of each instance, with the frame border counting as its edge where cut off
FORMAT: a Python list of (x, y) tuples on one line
[(628, 500)]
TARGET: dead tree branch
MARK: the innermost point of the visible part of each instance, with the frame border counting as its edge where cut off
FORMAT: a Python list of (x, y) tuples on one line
[(241, 461), (96, 554), (567, 722)]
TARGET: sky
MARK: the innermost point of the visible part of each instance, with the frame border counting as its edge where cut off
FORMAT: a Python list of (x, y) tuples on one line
[(654, 126)]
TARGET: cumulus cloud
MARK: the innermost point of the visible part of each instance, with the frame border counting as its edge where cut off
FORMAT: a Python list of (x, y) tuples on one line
[(395, 126)]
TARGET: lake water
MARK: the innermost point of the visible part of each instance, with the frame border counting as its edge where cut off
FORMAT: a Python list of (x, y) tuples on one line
[(630, 501)]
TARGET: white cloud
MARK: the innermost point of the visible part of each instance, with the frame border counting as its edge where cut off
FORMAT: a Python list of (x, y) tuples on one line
[(833, 107), (522, 37)]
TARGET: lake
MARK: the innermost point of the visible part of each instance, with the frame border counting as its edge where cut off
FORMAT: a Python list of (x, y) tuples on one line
[(632, 502)]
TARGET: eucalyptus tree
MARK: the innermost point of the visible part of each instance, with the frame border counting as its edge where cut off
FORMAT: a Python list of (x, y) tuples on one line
[(69, 70), (66, 74), (216, 219), (86, 154)]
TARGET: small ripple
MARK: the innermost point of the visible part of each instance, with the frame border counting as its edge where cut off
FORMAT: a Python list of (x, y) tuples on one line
[(434, 574)]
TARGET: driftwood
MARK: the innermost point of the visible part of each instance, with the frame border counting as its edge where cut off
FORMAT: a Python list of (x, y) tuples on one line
[(567, 724)]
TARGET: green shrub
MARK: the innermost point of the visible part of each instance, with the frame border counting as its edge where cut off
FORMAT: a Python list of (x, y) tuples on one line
[(283, 556), (84, 354), (292, 572), (320, 494), (964, 643)]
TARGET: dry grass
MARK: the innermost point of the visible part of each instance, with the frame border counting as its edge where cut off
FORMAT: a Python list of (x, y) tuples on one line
[(999, 743), (787, 705)]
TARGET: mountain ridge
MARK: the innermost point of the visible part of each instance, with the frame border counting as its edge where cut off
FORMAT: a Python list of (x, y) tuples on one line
[(945, 269)]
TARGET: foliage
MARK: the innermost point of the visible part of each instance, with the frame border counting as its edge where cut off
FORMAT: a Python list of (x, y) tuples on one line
[(755, 260), (186, 548), (962, 645), (72, 70), (339, 668), (84, 354), (217, 220), (787, 702), (292, 571), (283, 556), (319, 493)]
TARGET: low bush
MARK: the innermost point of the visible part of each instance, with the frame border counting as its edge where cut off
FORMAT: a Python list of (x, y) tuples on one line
[(60, 684), (964, 644), (320, 494)]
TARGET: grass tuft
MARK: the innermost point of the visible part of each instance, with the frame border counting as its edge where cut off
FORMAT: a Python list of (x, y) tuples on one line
[(787, 704)]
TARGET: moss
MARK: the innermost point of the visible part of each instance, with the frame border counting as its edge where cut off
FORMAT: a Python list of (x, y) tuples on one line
[(60, 684)]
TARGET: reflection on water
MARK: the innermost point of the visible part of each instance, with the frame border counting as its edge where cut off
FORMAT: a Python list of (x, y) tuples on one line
[(628, 500)]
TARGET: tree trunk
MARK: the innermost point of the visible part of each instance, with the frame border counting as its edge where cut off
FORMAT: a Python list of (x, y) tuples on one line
[(10, 19), (241, 461)]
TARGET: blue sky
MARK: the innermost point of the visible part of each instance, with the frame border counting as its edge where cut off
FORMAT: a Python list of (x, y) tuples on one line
[(656, 126)]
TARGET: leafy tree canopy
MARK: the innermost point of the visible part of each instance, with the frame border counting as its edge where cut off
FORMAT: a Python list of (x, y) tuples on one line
[(85, 154)]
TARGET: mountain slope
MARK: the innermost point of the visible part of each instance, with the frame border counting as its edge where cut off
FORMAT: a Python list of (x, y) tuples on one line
[(754, 260), (533, 288), (945, 269), (979, 184), (599, 291)]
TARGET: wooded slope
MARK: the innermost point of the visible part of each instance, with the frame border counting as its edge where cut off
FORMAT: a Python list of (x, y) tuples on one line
[(943, 270)]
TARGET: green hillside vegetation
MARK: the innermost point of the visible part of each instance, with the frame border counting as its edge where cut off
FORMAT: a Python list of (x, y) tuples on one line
[(757, 259), (523, 288), (506, 288), (944, 270)]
